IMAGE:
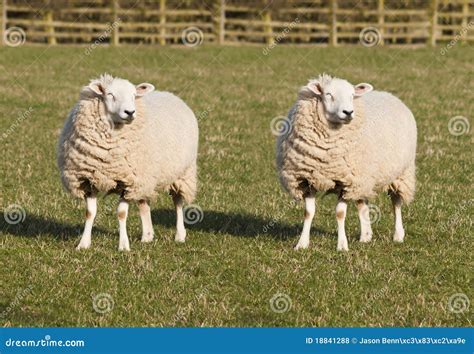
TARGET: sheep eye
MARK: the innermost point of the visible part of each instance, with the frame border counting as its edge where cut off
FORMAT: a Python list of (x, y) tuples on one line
[(329, 95), (111, 95)]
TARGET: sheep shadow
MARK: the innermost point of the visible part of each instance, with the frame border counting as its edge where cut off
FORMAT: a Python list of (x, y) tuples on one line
[(217, 222), (234, 224), (35, 226)]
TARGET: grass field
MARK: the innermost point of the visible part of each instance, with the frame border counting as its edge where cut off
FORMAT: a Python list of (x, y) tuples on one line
[(239, 259)]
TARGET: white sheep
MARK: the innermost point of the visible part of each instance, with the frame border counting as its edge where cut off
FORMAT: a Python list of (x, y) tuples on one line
[(347, 140), (126, 139)]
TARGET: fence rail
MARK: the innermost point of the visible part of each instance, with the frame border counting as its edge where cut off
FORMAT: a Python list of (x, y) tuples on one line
[(162, 22)]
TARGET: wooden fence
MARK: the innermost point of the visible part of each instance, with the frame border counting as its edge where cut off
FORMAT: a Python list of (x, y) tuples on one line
[(162, 22)]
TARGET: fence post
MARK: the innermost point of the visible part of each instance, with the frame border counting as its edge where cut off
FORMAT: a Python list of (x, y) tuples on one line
[(434, 22), (465, 15), (3, 27), (221, 23), (162, 22), (381, 14), (48, 17), (333, 34), (267, 18), (115, 40)]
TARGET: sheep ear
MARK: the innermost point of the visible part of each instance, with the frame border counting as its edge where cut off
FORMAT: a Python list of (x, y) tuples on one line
[(315, 87), (144, 88), (362, 89), (97, 88)]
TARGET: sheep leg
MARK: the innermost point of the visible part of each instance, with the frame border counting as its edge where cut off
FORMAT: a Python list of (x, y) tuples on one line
[(399, 234), (310, 209), (180, 230), (364, 218), (122, 213), (147, 225), (91, 211), (341, 209)]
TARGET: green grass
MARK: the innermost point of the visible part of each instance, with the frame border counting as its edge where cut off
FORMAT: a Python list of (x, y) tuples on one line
[(240, 255)]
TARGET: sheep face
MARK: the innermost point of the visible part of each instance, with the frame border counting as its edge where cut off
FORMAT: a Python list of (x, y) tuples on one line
[(337, 96), (119, 96)]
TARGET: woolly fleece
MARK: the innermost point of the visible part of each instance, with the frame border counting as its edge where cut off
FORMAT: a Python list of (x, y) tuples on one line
[(373, 153), (157, 151)]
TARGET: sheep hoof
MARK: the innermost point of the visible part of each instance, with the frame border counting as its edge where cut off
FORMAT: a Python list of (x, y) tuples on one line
[(344, 248), (365, 238), (180, 237), (124, 247), (83, 245), (302, 246), (398, 237), (148, 237)]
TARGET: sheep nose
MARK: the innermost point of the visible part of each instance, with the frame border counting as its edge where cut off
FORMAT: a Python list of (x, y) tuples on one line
[(129, 113), (347, 113)]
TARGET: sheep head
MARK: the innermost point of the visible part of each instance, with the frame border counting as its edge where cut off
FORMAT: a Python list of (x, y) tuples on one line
[(118, 96), (337, 96)]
